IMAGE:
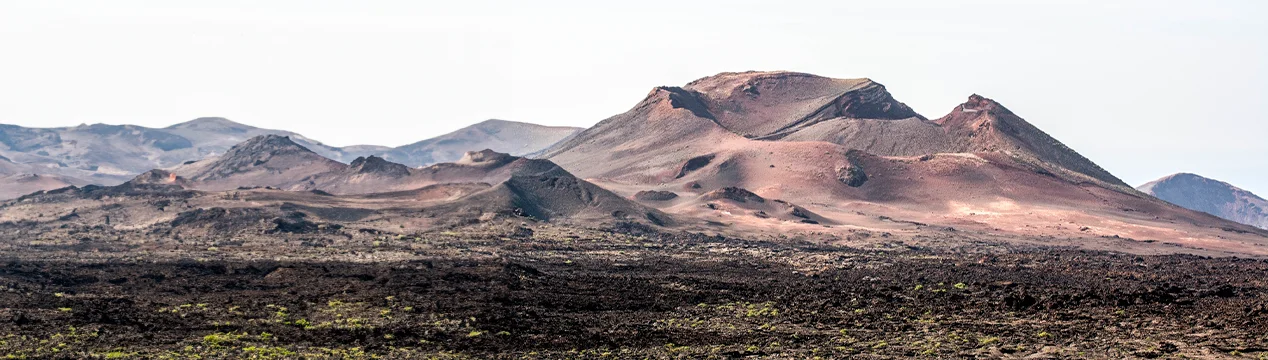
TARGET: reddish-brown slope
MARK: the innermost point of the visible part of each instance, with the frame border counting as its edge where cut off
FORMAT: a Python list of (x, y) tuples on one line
[(983, 125), (766, 104), (981, 167)]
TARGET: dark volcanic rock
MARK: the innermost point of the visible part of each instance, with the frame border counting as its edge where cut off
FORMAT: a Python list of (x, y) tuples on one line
[(694, 164), (734, 194), (852, 176), (377, 165), (651, 195)]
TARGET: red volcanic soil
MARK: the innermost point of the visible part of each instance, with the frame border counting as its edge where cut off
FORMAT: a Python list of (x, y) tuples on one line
[(790, 136)]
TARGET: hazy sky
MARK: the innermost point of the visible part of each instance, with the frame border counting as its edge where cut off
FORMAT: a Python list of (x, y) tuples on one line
[(1144, 88)]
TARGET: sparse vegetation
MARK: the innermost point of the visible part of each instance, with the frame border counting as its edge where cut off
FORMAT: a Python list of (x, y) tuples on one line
[(442, 307)]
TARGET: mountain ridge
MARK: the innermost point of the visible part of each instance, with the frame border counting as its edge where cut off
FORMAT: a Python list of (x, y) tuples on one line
[(1210, 196), (111, 154), (734, 154), (806, 140), (278, 162)]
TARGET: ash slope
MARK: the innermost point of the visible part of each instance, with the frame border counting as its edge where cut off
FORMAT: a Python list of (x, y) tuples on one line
[(1210, 196)]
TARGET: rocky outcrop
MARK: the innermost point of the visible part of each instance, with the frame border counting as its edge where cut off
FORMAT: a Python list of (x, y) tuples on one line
[(653, 195), (694, 164), (378, 166), (734, 194)]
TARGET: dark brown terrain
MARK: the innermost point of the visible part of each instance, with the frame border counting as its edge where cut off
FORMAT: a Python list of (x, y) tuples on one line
[(502, 290), (745, 215)]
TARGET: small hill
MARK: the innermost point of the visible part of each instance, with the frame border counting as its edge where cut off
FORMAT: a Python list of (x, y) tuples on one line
[(552, 195), (159, 177), (266, 160), (1210, 196), (378, 166)]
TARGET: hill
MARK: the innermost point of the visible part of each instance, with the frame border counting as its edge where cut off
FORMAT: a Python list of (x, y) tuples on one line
[(1210, 196)]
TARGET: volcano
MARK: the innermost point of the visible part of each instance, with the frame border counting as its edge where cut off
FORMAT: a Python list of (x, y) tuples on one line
[(848, 151)]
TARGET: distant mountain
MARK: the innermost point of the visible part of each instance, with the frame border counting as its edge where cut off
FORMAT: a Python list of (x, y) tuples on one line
[(114, 153), (514, 138), (277, 161), (1210, 196), (18, 179), (111, 154)]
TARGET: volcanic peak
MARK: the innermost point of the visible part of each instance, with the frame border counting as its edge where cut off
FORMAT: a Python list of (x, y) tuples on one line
[(377, 165), (271, 144)]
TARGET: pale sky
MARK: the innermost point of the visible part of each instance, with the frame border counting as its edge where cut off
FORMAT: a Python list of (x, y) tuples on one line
[(1143, 88)]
